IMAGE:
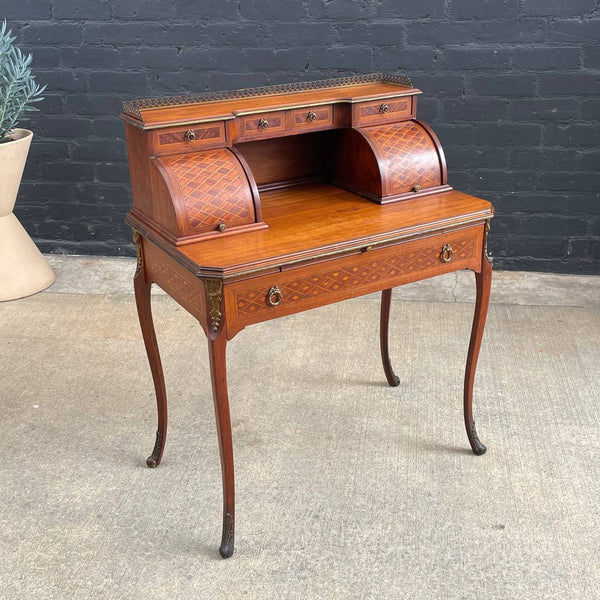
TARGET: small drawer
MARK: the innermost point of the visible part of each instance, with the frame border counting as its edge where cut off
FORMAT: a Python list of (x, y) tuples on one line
[(382, 111), (207, 135), (262, 125), (301, 288), (316, 117)]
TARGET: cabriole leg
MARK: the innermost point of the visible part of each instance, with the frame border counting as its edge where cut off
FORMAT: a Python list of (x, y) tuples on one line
[(144, 307), (218, 372), (483, 281), (386, 299)]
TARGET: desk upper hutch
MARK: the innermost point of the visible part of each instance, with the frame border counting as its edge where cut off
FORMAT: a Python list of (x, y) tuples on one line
[(254, 204)]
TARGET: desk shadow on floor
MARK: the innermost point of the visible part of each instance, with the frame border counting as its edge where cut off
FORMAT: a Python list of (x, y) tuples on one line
[(374, 383), (441, 448)]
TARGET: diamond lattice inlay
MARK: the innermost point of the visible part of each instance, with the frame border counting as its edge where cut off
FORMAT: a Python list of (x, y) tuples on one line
[(214, 188), (388, 267), (409, 155)]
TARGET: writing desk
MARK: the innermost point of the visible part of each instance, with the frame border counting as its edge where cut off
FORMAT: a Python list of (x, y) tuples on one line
[(256, 204)]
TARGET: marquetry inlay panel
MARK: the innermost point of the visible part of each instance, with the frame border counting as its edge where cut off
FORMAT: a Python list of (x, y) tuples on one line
[(213, 188), (363, 273), (408, 154)]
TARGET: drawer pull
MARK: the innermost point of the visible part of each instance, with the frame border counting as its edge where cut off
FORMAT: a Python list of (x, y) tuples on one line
[(384, 108), (416, 188), (263, 123), (222, 227), (311, 116), (189, 135), (274, 296), (447, 253)]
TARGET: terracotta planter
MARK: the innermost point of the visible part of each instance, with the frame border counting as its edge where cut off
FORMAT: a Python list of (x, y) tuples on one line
[(23, 269)]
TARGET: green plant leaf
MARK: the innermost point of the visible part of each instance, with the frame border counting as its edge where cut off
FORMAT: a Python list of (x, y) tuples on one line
[(18, 88)]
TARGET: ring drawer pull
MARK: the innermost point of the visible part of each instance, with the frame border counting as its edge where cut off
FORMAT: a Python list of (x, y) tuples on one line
[(263, 123), (189, 135), (384, 108), (447, 253), (274, 296), (311, 116)]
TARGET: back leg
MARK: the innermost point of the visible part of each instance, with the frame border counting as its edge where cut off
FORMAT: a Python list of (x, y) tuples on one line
[(386, 299)]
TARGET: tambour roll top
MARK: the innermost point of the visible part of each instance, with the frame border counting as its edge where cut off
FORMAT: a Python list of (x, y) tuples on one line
[(211, 191)]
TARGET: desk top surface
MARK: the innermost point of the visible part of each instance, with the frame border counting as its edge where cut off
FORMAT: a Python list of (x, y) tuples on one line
[(315, 221)]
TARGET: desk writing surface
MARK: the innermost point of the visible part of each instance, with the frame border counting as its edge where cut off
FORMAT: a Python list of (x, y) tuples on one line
[(308, 221)]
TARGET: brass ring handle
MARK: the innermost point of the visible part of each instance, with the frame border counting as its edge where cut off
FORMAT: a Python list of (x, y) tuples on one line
[(263, 123), (274, 296), (447, 253), (311, 116), (384, 108), (189, 135)]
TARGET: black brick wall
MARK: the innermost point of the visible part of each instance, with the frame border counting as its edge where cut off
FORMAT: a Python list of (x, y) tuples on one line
[(512, 87)]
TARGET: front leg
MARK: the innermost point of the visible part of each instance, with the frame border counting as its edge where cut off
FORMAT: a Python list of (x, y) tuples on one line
[(218, 373), (384, 324), (217, 347), (483, 281), (142, 290)]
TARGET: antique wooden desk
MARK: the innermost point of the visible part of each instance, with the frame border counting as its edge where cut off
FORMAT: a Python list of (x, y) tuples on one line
[(256, 204)]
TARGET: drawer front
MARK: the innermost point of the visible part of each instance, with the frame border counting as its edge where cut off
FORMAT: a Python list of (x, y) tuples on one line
[(294, 290), (194, 137), (262, 125), (308, 119), (382, 111)]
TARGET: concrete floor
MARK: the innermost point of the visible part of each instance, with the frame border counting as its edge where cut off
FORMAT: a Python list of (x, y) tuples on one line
[(346, 488)]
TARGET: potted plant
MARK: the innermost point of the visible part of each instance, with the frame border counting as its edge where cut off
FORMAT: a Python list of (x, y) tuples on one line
[(23, 269)]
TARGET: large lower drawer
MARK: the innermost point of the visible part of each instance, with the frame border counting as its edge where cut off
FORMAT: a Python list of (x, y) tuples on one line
[(293, 290)]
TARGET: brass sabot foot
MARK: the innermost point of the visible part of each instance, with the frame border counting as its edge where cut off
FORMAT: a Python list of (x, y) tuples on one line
[(154, 459)]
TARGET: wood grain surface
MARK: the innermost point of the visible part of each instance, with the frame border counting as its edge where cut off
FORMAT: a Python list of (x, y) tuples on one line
[(312, 221)]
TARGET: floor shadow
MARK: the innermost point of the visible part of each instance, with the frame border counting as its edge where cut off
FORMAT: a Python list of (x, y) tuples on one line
[(376, 383), (439, 448)]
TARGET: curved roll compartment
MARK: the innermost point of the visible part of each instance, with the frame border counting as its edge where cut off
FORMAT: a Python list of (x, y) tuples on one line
[(391, 162), (212, 194)]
